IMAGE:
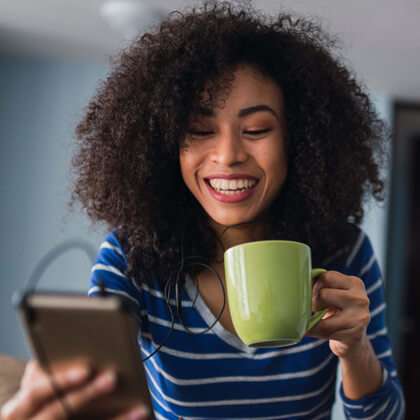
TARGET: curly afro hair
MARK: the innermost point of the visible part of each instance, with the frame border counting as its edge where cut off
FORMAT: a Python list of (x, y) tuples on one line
[(127, 161)]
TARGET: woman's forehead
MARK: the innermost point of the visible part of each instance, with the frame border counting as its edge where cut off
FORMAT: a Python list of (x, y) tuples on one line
[(247, 87)]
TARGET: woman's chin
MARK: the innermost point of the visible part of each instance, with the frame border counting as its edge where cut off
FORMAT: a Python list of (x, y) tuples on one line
[(230, 220)]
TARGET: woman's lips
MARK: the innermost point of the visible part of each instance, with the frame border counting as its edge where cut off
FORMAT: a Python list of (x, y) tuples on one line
[(231, 198)]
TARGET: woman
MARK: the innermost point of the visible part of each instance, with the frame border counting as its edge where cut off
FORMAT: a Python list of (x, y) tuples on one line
[(220, 127)]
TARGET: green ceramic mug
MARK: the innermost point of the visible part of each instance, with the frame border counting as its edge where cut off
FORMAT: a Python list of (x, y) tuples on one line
[(269, 291)]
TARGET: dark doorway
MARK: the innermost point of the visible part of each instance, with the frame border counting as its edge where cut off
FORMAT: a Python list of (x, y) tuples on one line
[(411, 307), (402, 286)]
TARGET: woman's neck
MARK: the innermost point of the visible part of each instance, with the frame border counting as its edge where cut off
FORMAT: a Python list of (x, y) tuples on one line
[(230, 236)]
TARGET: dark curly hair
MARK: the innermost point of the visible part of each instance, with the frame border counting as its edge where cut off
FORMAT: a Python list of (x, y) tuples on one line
[(127, 162)]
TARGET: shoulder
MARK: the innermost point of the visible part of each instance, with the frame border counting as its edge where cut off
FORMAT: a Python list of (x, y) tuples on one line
[(355, 250), (113, 256), (111, 250), (113, 240), (361, 252), (110, 271), (356, 257)]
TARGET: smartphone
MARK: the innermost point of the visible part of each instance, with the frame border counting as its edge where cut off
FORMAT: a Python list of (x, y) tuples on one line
[(63, 327)]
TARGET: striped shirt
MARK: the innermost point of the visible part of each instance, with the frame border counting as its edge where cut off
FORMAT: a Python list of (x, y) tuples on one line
[(215, 375)]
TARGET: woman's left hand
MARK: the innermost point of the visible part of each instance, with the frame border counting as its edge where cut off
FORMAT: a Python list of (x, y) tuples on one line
[(346, 321)]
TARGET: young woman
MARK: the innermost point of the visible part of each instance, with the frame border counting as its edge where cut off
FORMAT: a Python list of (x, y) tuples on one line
[(220, 127)]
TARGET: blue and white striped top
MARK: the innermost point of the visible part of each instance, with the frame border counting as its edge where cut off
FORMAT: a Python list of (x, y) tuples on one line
[(215, 375)]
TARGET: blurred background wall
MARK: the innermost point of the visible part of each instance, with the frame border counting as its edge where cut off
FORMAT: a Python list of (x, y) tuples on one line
[(52, 55), (41, 100)]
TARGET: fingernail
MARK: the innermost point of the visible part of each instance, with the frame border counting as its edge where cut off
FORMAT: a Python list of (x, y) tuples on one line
[(139, 413), (77, 373), (106, 380)]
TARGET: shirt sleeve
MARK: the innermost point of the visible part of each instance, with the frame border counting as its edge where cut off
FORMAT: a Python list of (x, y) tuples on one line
[(388, 401), (109, 269)]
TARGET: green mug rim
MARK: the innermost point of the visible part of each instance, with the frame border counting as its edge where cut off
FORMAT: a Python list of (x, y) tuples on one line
[(253, 243)]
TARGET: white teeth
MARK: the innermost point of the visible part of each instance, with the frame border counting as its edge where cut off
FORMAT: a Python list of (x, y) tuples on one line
[(231, 186)]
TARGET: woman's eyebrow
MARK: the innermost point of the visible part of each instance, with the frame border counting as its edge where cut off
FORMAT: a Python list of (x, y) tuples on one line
[(256, 108), (207, 112)]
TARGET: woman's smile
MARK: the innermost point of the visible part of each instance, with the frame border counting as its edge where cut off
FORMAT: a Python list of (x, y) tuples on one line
[(234, 189), (231, 196)]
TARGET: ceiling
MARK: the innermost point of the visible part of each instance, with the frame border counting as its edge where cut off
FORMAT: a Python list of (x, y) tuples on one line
[(380, 38)]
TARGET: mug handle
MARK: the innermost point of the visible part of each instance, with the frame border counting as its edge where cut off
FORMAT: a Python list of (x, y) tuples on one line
[(316, 316)]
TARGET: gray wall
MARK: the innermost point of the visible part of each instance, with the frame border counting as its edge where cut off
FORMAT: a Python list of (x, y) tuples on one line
[(41, 100)]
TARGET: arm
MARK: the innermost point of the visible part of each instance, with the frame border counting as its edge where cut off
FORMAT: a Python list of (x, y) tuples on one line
[(361, 371), (362, 394), (358, 336), (108, 275)]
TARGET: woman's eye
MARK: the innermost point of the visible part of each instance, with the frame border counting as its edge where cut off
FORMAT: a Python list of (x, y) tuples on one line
[(257, 133), (207, 133), (200, 133)]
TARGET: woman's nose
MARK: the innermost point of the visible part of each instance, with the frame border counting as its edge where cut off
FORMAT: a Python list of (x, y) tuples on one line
[(229, 149)]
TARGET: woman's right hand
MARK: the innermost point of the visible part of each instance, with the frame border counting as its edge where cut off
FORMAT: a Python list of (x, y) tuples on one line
[(36, 399)]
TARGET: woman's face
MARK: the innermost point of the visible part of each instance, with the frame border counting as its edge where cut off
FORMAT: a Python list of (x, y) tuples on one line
[(235, 162)]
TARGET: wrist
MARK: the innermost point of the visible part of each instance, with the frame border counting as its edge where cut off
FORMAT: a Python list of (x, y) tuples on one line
[(361, 370), (360, 349)]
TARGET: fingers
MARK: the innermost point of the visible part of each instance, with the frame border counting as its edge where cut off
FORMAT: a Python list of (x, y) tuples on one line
[(337, 290), (77, 399), (342, 321), (36, 399), (334, 279), (140, 412), (36, 389), (348, 309), (339, 298)]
